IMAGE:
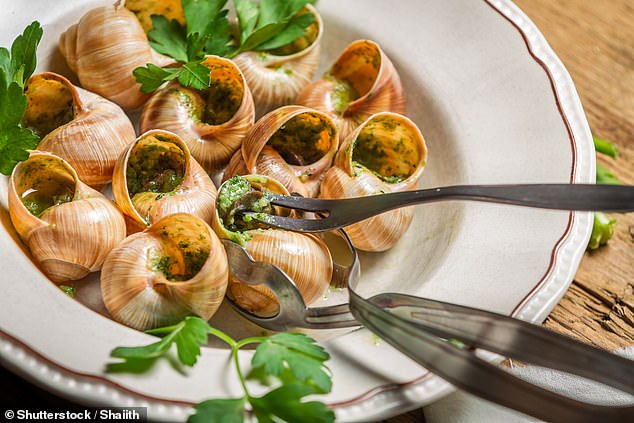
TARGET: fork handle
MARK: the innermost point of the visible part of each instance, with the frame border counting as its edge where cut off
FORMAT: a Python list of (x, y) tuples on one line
[(581, 197)]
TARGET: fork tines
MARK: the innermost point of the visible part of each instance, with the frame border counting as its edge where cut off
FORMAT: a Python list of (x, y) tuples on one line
[(298, 202), (289, 223)]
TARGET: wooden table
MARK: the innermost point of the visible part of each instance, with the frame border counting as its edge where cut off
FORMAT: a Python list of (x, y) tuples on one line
[(595, 41)]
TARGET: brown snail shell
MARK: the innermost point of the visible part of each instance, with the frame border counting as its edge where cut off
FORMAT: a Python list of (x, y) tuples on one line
[(293, 144), (212, 122), (69, 227), (386, 153), (103, 49), (362, 81), (303, 257), (156, 177), (174, 268), (276, 77), (83, 128)]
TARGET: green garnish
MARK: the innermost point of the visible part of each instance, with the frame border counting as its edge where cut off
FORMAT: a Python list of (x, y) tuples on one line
[(457, 343), (236, 197), (231, 191), (342, 95), (206, 32), (603, 227), (270, 24), (605, 176), (264, 25), (188, 335), (68, 290), (605, 147), (15, 69), (602, 230), (292, 361)]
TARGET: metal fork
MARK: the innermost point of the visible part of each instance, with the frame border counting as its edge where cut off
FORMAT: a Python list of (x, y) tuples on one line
[(341, 213), (427, 331)]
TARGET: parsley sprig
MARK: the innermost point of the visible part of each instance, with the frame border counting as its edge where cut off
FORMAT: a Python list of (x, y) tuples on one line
[(16, 67), (206, 32), (293, 362), (264, 25)]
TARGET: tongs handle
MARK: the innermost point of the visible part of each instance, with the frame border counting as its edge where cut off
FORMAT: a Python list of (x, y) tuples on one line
[(417, 327)]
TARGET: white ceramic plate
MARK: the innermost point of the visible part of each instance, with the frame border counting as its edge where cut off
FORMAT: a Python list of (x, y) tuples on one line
[(495, 105)]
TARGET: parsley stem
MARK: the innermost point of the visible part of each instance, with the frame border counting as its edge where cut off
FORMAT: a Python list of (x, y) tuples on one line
[(247, 341), (220, 334), (235, 346), (234, 354)]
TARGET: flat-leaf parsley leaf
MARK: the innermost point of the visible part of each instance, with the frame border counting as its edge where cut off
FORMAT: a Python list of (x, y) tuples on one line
[(286, 403), (269, 24), (15, 69), (263, 25), (206, 32), (230, 410), (20, 64), (188, 336), (294, 361), (297, 353)]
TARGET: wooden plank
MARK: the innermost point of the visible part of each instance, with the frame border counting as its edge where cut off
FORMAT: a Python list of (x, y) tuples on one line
[(595, 41)]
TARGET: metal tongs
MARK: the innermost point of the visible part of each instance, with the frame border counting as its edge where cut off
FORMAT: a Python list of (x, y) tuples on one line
[(443, 337)]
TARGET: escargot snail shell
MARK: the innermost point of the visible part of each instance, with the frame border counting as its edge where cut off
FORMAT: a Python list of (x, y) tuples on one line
[(303, 257), (69, 227), (174, 268), (212, 122), (103, 49), (293, 144), (361, 82), (386, 153), (85, 129), (156, 177), (275, 77)]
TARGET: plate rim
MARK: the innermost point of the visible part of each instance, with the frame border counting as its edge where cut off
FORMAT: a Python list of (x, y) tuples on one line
[(385, 400)]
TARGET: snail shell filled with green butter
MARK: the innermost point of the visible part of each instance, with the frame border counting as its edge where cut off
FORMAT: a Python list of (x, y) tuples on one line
[(172, 269), (386, 153), (212, 122), (68, 227), (362, 81), (85, 129), (156, 177), (293, 145), (303, 257)]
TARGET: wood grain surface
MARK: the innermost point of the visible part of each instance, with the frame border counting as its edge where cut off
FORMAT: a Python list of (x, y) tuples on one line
[(595, 41)]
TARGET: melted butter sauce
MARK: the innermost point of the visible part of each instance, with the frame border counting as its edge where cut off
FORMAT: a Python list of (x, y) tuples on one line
[(385, 148), (157, 166), (50, 105), (43, 183), (144, 9), (303, 139), (236, 196), (187, 248)]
